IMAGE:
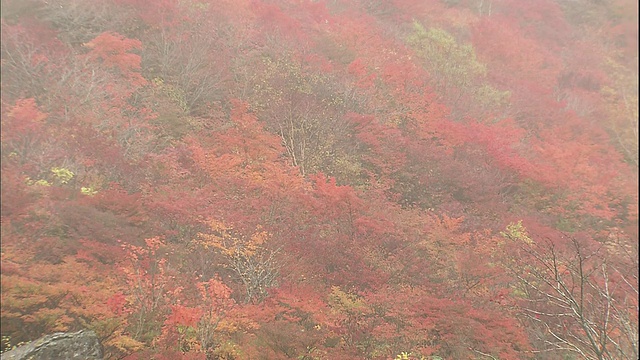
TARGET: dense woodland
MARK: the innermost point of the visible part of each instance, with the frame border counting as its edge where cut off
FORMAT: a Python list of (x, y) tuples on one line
[(330, 179)]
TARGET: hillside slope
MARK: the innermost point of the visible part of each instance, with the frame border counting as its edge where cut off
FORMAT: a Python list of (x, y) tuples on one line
[(416, 179)]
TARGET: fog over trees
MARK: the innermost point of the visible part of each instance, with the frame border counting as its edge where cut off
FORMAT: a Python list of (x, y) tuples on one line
[(328, 179)]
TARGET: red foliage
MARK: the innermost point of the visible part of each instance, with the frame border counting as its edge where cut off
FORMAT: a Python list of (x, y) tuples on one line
[(334, 200), (23, 119), (365, 78), (392, 245), (272, 17), (183, 316), (116, 304), (386, 144), (115, 51)]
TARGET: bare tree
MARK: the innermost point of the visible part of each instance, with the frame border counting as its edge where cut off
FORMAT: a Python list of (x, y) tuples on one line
[(190, 61), (258, 272), (79, 21), (575, 295), (253, 261)]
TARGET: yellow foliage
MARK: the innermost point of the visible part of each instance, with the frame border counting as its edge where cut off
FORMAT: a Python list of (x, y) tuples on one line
[(454, 66), (227, 350), (88, 191), (517, 232), (157, 81), (60, 175), (125, 343), (63, 175), (456, 62), (40, 182), (174, 93), (229, 243), (346, 303)]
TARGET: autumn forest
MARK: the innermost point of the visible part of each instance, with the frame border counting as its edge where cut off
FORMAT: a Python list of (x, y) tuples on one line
[(322, 179)]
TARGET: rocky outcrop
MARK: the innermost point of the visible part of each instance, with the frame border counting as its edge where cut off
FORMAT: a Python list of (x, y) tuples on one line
[(81, 345)]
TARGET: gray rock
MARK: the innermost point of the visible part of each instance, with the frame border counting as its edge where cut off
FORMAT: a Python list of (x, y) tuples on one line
[(81, 345)]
